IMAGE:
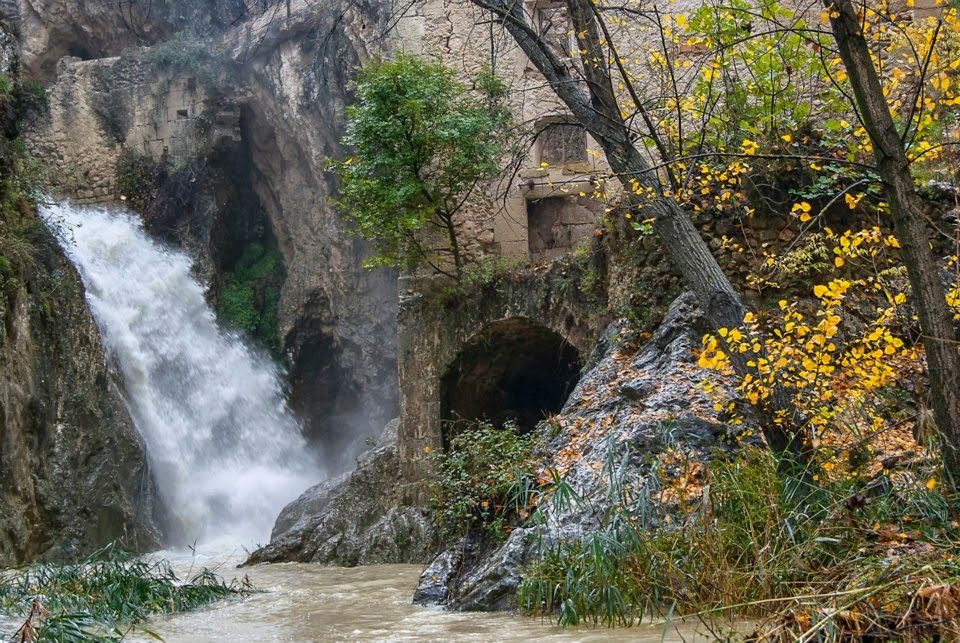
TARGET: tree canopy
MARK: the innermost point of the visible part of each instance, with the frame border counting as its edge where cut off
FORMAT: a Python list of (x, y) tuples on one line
[(421, 143)]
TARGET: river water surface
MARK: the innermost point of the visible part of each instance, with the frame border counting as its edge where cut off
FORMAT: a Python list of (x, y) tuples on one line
[(304, 602)]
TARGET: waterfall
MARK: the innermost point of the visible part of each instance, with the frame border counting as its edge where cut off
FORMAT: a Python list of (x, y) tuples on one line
[(225, 451)]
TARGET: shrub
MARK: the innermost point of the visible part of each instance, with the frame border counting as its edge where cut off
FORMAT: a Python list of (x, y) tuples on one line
[(137, 179), (482, 277), (30, 100), (187, 53), (483, 481), (251, 294)]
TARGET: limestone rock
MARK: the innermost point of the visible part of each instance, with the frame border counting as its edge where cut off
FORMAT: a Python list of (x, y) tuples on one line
[(356, 519)]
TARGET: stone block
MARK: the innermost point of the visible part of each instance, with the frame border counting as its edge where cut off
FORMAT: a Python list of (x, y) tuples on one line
[(533, 173)]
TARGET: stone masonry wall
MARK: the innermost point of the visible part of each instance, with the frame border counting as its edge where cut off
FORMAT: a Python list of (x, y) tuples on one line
[(98, 108)]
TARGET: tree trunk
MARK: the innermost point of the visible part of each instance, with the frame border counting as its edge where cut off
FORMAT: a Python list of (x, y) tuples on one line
[(908, 214), (454, 242)]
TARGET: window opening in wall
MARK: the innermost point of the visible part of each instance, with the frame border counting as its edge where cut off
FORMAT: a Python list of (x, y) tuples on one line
[(549, 18), (563, 144), (556, 224), (545, 229)]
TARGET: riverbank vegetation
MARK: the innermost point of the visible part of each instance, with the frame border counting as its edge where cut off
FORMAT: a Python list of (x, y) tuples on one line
[(484, 481), (105, 597), (852, 560)]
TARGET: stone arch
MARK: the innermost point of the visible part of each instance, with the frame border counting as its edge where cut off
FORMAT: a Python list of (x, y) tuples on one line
[(513, 369)]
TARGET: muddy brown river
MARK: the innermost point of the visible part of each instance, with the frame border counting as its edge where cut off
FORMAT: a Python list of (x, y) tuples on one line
[(302, 602)]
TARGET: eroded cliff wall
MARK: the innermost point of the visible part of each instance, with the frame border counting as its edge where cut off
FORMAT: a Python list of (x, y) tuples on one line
[(297, 82), (73, 476)]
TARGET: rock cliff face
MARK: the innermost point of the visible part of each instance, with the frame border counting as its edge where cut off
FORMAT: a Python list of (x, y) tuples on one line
[(72, 471), (338, 320), (247, 147), (72, 467), (51, 29)]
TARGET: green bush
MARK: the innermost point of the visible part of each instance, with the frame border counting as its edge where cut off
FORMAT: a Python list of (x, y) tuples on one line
[(251, 294), (103, 597), (137, 179), (479, 278), (483, 481), (30, 99), (186, 53)]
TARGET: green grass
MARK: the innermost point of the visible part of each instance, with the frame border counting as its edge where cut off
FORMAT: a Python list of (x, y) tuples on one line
[(104, 597), (818, 568)]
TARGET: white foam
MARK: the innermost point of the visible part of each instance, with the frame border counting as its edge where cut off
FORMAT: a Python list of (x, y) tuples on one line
[(224, 448)]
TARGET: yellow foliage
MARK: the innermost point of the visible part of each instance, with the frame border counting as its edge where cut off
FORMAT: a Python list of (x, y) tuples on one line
[(812, 357)]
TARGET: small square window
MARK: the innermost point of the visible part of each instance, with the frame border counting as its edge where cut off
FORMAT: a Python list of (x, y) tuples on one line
[(562, 144)]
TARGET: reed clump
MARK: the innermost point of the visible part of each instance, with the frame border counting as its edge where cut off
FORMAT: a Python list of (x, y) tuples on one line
[(104, 597), (846, 561)]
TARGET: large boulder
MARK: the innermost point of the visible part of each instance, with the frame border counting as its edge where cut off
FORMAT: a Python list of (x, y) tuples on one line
[(356, 519)]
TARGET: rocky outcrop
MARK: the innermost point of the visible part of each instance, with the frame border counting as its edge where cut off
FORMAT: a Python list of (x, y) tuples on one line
[(629, 407), (337, 319), (355, 519), (73, 476), (51, 29)]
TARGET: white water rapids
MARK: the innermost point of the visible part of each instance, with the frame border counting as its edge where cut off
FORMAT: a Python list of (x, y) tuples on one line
[(224, 449)]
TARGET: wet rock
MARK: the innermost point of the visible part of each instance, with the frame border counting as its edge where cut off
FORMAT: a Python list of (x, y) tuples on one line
[(51, 29), (72, 466), (356, 519), (493, 585), (432, 588)]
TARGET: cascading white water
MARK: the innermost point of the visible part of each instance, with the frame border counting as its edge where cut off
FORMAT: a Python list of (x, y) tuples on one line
[(225, 451)]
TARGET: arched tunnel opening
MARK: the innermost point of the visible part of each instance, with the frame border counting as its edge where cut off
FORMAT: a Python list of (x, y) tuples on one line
[(516, 370)]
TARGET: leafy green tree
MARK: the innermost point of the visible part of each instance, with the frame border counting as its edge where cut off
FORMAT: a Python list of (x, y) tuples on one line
[(422, 143)]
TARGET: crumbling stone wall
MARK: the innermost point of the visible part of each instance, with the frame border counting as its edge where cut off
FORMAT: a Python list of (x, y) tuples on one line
[(99, 108)]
